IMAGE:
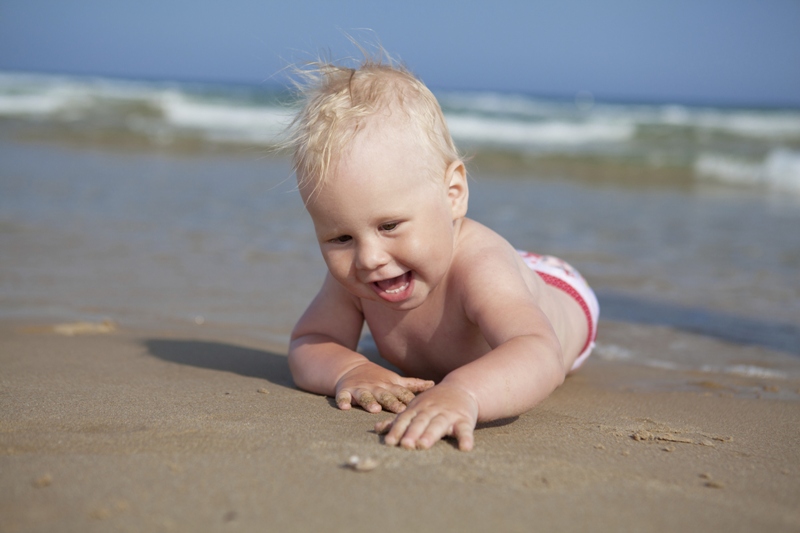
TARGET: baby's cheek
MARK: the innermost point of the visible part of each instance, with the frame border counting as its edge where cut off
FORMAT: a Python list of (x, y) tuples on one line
[(338, 265)]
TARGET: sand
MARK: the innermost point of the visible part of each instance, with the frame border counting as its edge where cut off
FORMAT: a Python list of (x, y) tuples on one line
[(201, 429)]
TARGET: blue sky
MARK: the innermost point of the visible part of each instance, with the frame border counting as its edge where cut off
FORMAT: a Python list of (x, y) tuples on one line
[(702, 51)]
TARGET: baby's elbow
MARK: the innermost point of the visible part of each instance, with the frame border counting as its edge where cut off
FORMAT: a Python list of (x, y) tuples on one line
[(557, 371), (549, 366), (295, 368), (293, 355), (548, 362), (302, 375), (556, 375), (297, 359)]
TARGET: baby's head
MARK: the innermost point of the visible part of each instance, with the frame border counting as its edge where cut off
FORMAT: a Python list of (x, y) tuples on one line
[(339, 102), (381, 179)]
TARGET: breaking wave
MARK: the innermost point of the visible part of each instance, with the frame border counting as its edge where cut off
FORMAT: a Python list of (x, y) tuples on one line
[(751, 147)]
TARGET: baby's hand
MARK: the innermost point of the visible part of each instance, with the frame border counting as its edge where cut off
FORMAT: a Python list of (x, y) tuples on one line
[(444, 410), (374, 387)]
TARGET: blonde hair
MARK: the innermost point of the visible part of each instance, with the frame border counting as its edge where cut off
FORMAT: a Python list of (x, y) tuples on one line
[(336, 100)]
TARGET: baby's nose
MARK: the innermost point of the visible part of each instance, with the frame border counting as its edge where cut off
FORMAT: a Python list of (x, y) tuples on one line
[(371, 256)]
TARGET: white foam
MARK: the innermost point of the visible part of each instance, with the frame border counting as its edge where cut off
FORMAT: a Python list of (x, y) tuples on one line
[(67, 98), (660, 364), (764, 124), (506, 104), (751, 371), (782, 170), (729, 169), (64, 98), (225, 121), (758, 124), (28, 104), (31, 95), (230, 114), (483, 130), (779, 171), (613, 352)]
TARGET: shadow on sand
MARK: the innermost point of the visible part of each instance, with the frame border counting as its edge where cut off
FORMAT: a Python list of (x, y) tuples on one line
[(724, 326), (226, 357)]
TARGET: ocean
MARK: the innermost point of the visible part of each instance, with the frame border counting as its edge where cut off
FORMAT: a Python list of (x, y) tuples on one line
[(757, 148), (162, 203)]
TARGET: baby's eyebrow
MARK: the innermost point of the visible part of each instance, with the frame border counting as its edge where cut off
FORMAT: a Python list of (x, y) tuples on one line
[(390, 217), (329, 235)]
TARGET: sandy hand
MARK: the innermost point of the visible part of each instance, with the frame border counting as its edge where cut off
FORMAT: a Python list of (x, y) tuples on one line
[(375, 388), (443, 411)]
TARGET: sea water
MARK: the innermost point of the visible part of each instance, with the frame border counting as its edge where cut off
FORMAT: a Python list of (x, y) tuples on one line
[(161, 202), (749, 147)]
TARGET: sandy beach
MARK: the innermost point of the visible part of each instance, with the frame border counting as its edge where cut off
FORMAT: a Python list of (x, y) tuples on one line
[(146, 298), (197, 430)]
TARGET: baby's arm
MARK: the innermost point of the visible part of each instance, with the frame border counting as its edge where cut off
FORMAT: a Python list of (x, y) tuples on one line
[(322, 357), (524, 366)]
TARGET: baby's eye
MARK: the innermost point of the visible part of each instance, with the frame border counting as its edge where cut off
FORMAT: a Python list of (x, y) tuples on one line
[(341, 239), (389, 227)]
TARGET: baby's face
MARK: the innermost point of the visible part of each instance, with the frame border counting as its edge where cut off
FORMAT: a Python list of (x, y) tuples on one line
[(384, 223)]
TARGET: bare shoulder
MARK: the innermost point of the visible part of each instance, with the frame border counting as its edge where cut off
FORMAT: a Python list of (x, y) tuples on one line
[(505, 297), (480, 249), (497, 291), (486, 267)]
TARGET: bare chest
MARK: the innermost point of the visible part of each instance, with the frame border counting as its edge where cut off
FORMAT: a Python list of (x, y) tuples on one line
[(427, 342)]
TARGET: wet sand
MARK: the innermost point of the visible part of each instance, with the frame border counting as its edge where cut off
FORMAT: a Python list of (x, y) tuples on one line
[(192, 429), (145, 304)]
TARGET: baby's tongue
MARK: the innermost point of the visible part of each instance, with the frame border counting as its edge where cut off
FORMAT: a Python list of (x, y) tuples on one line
[(394, 283)]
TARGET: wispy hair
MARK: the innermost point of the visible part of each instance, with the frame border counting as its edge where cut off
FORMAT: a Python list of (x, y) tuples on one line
[(335, 100)]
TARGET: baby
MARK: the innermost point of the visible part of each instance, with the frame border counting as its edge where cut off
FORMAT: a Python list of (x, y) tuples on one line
[(480, 330)]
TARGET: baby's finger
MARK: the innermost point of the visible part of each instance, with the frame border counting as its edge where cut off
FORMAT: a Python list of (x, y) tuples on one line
[(417, 385), (464, 434), (390, 402), (397, 429), (383, 427), (344, 400), (368, 402), (403, 394), (438, 427), (413, 431)]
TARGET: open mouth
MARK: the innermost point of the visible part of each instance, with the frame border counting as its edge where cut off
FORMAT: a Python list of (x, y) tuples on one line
[(394, 288)]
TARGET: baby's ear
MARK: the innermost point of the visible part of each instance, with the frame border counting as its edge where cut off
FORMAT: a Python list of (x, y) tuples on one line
[(457, 189)]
